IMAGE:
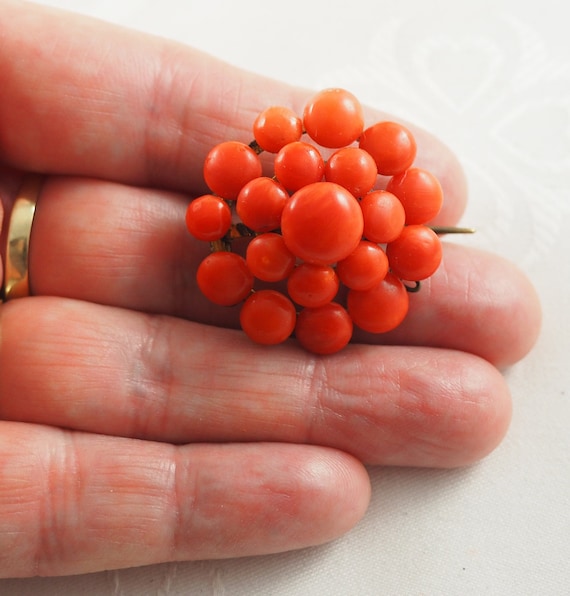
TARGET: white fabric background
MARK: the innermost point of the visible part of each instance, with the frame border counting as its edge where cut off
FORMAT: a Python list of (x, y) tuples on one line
[(492, 78)]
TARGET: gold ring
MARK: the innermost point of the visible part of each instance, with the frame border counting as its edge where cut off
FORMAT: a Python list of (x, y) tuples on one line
[(16, 282)]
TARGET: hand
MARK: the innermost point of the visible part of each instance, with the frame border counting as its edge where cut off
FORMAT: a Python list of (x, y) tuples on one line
[(137, 425)]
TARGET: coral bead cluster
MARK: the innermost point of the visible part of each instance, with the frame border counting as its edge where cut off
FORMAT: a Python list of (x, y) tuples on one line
[(327, 248)]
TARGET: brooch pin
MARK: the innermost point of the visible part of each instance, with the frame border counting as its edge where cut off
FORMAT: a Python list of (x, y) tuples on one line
[(318, 229)]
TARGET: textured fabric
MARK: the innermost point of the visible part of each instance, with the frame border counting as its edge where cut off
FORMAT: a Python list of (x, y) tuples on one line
[(493, 80)]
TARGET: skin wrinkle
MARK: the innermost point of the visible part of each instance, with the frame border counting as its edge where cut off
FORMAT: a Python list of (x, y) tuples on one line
[(325, 397), (321, 398), (185, 502), (162, 89), (358, 405), (288, 514), (493, 298), (98, 88), (181, 269), (60, 502), (256, 381), (284, 408), (206, 388), (412, 386), (198, 489), (400, 422), (19, 499), (489, 302), (413, 401), (311, 476), (335, 406), (174, 544), (473, 414), (38, 541), (314, 388), (151, 379), (378, 415), (90, 100), (73, 356), (183, 102), (129, 498), (457, 423), (435, 314)]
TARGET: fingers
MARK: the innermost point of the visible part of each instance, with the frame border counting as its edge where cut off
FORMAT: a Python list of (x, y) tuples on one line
[(124, 106), (105, 370), (127, 247), (72, 503)]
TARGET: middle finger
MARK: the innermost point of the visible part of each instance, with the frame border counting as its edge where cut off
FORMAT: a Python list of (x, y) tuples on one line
[(108, 370)]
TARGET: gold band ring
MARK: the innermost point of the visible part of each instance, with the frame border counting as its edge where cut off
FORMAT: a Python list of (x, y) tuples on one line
[(16, 282)]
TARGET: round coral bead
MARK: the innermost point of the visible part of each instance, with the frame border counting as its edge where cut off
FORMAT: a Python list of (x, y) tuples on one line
[(392, 146), (229, 166), (333, 118), (268, 317), (380, 309), (224, 278), (208, 218), (415, 254), (275, 127), (419, 192), (324, 330), (322, 223)]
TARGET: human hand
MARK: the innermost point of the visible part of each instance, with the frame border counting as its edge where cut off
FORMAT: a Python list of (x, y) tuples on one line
[(132, 430)]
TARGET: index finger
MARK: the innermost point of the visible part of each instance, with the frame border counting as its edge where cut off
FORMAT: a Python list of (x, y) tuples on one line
[(86, 98)]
